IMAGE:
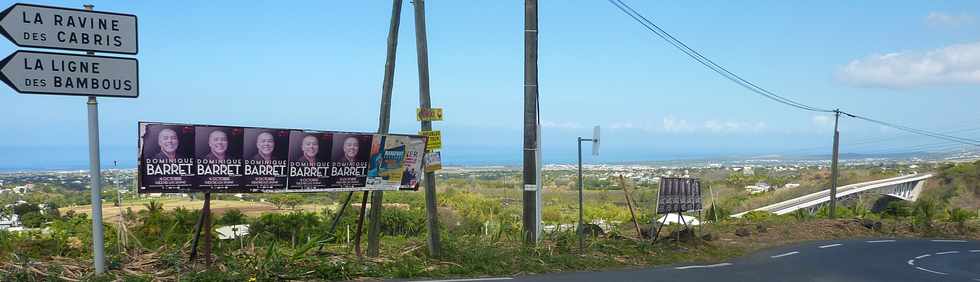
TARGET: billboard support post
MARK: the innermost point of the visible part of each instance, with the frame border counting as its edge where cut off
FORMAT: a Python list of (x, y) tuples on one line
[(374, 230), (360, 224)]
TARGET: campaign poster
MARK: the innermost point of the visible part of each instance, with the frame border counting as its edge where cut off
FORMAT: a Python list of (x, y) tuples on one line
[(385, 167), (266, 155), (349, 160), (218, 158), (309, 160), (374, 179), (166, 160), (414, 153)]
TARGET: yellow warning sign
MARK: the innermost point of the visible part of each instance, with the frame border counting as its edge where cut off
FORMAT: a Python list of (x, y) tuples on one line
[(432, 114), (435, 139)]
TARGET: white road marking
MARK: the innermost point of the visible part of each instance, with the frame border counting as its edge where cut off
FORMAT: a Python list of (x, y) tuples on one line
[(932, 271), (881, 241), (911, 262), (949, 252), (703, 266), (975, 251), (922, 256), (786, 254), (829, 246), (471, 279), (949, 241)]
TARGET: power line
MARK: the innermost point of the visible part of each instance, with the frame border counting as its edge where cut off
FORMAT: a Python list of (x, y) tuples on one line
[(694, 54), (966, 141)]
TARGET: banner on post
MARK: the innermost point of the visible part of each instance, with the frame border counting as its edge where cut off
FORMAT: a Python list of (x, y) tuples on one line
[(184, 158)]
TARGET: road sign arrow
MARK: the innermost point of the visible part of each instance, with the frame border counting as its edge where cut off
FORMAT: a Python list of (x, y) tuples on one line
[(28, 25), (63, 74)]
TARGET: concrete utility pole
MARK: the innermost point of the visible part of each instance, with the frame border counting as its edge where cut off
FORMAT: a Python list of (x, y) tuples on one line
[(374, 230), (532, 138), (432, 217), (833, 167), (95, 177)]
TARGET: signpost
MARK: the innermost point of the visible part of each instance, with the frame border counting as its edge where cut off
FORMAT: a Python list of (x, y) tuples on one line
[(33, 72), (37, 26)]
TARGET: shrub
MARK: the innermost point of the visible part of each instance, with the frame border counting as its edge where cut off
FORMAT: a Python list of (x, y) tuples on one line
[(719, 212), (758, 215), (925, 211)]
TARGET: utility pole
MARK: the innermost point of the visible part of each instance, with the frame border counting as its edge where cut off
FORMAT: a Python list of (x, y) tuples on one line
[(432, 217), (374, 230), (95, 178), (833, 167), (532, 138)]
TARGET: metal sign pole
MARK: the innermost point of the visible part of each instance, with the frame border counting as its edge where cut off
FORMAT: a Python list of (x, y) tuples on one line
[(95, 176), (581, 199)]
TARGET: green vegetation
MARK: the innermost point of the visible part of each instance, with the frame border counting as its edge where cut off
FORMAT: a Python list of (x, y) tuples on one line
[(480, 219)]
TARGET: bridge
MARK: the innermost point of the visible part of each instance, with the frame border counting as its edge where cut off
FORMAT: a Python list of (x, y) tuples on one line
[(906, 187)]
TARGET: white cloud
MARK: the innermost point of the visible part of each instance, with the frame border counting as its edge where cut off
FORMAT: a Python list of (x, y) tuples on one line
[(822, 120), (733, 126), (672, 124), (954, 64), (561, 125), (942, 19), (623, 125)]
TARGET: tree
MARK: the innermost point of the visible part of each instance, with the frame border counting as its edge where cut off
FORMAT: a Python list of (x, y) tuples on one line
[(232, 217), (154, 207)]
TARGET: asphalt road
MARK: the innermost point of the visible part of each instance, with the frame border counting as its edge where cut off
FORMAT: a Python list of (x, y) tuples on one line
[(839, 261)]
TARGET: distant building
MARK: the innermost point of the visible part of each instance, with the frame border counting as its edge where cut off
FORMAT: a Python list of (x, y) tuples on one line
[(758, 188), (232, 231), (748, 171), (9, 221)]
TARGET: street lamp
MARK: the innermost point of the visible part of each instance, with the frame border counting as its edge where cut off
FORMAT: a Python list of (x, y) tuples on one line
[(581, 197)]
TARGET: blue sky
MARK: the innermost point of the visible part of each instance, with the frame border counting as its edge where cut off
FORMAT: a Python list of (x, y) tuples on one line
[(319, 65)]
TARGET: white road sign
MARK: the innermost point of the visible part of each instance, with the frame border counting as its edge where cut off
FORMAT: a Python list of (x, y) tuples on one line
[(62, 74), (70, 29)]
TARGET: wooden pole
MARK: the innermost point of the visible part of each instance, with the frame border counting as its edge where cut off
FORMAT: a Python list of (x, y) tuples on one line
[(432, 216), (374, 230), (206, 213), (360, 225), (629, 203), (197, 232)]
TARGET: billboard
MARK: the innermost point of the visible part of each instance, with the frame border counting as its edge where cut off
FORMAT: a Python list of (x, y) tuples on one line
[(678, 195), (183, 158)]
